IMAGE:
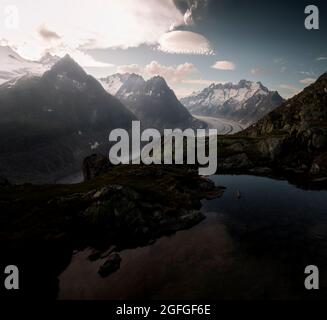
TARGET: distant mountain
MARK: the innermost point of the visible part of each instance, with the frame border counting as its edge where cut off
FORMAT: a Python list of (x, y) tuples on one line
[(152, 101), (49, 60), (49, 123), (13, 65), (245, 102)]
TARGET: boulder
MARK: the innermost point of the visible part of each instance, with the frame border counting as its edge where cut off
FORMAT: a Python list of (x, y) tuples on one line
[(319, 164), (319, 141), (94, 166), (111, 265)]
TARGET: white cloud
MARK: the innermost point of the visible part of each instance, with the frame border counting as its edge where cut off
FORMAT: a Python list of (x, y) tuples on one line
[(183, 92), (171, 74), (185, 42), (289, 90), (130, 68), (224, 65), (321, 58), (80, 57), (82, 24), (278, 60), (307, 81), (202, 82), (256, 71), (260, 71)]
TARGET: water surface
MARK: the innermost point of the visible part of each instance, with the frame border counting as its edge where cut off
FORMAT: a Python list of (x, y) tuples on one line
[(254, 243)]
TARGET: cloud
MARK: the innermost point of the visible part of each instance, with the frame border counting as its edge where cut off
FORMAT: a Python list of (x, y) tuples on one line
[(84, 24), (47, 34), (183, 92), (283, 69), (80, 57), (307, 81), (321, 58), (171, 74), (256, 71), (289, 90), (260, 71), (202, 82), (224, 65), (130, 68), (193, 10), (174, 75), (185, 42), (307, 73), (278, 60)]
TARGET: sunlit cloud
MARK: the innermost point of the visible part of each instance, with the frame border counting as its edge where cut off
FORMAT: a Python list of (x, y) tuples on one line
[(289, 90), (47, 34), (173, 74), (224, 65), (307, 81), (203, 82), (84, 24), (130, 68), (185, 42)]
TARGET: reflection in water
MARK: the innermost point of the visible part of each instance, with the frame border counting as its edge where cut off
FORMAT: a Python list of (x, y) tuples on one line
[(253, 246)]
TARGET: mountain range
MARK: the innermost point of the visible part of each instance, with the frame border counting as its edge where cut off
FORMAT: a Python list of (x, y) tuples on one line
[(13, 65), (152, 101), (49, 123), (245, 102)]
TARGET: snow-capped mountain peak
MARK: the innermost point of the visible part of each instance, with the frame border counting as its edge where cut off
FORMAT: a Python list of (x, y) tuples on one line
[(245, 101), (152, 101), (49, 59), (13, 65), (114, 83)]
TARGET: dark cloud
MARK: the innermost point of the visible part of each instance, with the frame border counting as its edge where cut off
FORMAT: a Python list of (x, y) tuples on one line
[(193, 10), (47, 34)]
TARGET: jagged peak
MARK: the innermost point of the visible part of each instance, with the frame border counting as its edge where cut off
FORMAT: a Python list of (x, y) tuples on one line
[(157, 79), (67, 66), (157, 83)]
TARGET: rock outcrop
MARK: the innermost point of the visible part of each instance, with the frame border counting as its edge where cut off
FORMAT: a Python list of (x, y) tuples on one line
[(94, 166)]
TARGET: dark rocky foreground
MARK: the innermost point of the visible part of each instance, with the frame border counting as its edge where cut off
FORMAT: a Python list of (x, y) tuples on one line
[(128, 206)]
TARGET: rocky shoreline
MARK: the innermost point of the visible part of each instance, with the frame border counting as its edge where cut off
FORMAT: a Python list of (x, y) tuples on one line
[(129, 206)]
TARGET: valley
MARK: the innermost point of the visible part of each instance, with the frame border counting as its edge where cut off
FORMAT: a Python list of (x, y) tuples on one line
[(223, 126)]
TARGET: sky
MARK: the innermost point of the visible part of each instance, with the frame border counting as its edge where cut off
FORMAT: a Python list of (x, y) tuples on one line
[(192, 43)]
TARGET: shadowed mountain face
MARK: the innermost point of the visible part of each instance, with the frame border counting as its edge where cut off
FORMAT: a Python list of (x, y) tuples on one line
[(245, 102), (152, 101), (49, 124), (300, 124)]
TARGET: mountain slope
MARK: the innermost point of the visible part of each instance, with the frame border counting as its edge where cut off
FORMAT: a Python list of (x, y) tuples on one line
[(48, 124), (152, 101), (300, 124), (245, 102), (13, 65)]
